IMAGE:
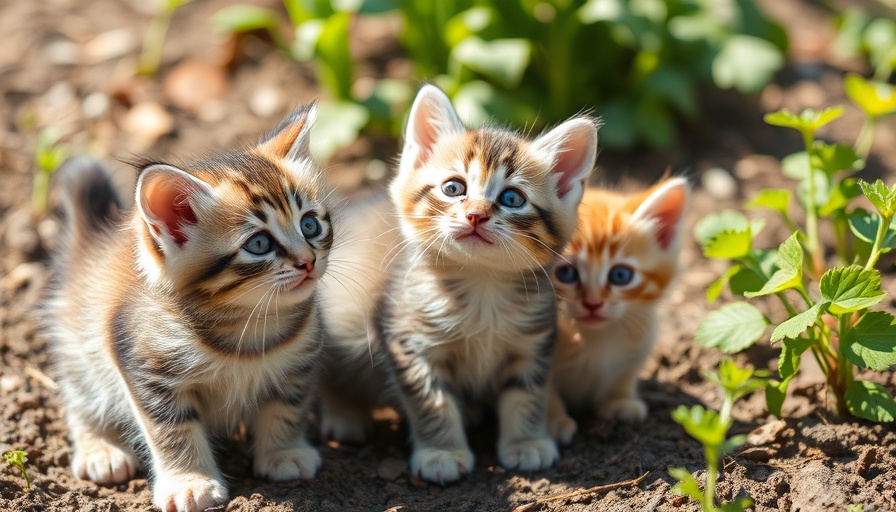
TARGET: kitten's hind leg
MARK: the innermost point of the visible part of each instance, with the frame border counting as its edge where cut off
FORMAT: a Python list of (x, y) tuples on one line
[(560, 425), (101, 457)]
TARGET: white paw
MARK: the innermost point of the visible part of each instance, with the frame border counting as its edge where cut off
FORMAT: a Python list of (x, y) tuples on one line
[(441, 466), (344, 425), (630, 410), (528, 455), (562, 428), (103, 462), (288, 465), (188, 493)]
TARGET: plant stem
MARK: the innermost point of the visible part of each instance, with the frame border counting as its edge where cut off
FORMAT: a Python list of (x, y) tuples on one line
[(812, 245), (151, 56), (882, 229), (865, 138)]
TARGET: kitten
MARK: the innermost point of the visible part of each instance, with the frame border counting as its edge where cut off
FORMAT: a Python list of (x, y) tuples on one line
[(469, 313), (620, 261), (196, 311)]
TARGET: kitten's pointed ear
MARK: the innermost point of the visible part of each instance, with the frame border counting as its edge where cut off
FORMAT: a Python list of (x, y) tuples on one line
[(290, 139), (571, 149), (665, 206), (166, 197), (432, 116)]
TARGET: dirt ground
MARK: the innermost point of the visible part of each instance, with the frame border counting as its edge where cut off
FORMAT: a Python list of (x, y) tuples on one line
[(68, 63)]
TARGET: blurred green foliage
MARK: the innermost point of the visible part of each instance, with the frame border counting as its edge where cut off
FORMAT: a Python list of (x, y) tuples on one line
[(860, 32), (639, 63)]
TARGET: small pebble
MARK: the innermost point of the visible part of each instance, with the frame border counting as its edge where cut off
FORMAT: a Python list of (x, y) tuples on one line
[(390, 469), (109, 45), (148, 121), (719, 183), (265, 101), (376, 170), (23, 274), (10, 383), (194, 83), (62, 52), (95, 105)]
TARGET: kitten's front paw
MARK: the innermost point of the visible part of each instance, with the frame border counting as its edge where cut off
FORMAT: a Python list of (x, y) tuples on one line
[(629, 410), (103, 462), (288, 465), (188, 493), (528, 455), (562, 428), (441, 466)]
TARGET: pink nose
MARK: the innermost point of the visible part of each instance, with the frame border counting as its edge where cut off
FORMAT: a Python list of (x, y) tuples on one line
[(477, 218), (307, 266), (593, 306)]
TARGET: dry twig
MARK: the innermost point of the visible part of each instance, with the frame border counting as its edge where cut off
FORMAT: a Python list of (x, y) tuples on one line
[(581, 492)]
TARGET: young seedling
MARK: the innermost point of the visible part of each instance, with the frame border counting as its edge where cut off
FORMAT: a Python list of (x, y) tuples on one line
[(48, 154), (151, 56), (711, 429), (18, 458), (828, 308)]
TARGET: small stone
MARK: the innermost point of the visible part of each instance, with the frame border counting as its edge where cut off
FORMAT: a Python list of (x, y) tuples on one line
[(390, 469), (109, 45), (719, 183), (62, 52), (376, 170), (23, 274), (752, 166), (767, 433), (265, 102), (28, 401), (95, 105), (60, 96), (9, 383), (194, 83), (759, 453), (866, 460), (148, 121)]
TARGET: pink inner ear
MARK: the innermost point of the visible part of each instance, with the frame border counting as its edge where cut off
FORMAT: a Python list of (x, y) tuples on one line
[(667, 220), (172, 207), (668, 214), (572, 159)]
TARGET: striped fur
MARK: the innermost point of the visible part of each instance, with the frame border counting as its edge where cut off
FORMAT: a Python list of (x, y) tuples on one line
[(469, 314), (607, 328), (166, 331)]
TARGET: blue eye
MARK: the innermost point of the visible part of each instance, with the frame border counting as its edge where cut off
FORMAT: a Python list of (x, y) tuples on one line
[(511, 198), (259, 244), (567, 274), (310, 226), (621, 275), (454, 188)]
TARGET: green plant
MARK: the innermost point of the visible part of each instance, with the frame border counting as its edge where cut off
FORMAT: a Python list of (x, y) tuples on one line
[(48, 154), (151, 56), (711, 429), (528, 62), (18, 458), (828, 308)]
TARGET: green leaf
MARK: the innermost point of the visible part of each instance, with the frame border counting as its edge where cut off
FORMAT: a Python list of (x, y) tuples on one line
[(702, 424), (732, 328), (865, 224), (833, 158), (790, 269), (850, 289), (871, 343), (874, 98), (746, 63), (338, 125), (870, 401), (775, 393), (844, 191), (715, 289), (791, 350), (775, 199), (729, 245), (726, 220), (687, 484), (883, 198), (796, 165), (807, 121), (335, 63), (731, 443), (503, 60), (237, 19), (797, 325), (738, 505), (737, 381)]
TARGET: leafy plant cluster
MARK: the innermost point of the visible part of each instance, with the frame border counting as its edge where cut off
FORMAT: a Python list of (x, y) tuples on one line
[(711, 429), (641, 62), (17, 459), (828, 309)]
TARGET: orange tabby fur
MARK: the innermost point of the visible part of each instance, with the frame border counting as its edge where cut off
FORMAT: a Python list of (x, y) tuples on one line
[(607, 325)]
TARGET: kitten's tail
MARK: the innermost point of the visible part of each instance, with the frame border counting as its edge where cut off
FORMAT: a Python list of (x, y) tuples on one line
[(86, 199)]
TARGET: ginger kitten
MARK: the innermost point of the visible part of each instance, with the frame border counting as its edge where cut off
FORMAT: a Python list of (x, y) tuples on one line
[(620, 262), (469, 313), (173, 323)]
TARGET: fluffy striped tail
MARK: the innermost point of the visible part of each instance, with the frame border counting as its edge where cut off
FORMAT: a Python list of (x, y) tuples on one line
[(89, 204)]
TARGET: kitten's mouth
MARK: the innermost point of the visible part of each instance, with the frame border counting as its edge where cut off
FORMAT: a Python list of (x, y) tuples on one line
[(592, 319), (475, 236), (299, 282)]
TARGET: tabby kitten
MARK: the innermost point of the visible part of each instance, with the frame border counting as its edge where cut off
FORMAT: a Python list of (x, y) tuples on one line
[(620, 261), (469, 314), (196, 311)]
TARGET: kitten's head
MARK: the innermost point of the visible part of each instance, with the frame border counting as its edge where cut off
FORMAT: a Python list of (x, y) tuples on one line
[(239, 228), (487, 196), (624, 253)]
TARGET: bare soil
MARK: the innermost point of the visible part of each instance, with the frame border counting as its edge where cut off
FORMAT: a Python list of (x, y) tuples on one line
[(69, 63)]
